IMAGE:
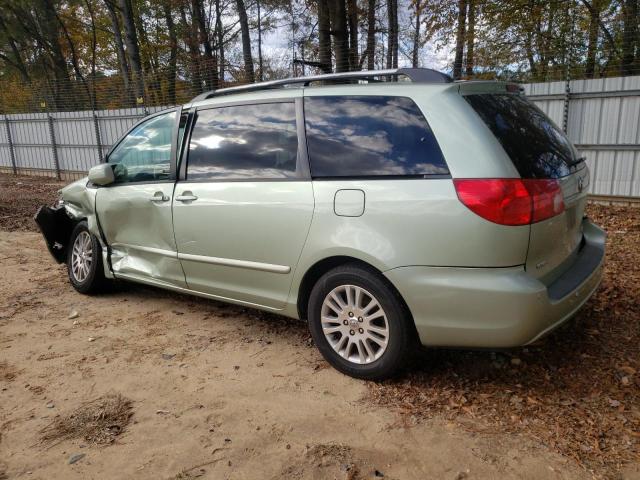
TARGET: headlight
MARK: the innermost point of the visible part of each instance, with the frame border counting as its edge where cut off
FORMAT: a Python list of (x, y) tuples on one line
[(60, 201)]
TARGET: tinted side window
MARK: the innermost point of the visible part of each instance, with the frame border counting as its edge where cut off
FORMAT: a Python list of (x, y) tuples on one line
[(355, 136), (145, 153), (244, 142), (537, 148)]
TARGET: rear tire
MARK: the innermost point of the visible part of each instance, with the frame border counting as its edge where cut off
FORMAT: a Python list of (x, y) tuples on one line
[(359, 323), (84, 261)]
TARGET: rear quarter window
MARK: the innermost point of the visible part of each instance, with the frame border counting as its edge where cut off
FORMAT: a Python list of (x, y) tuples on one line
[(370, 136), (537, 148)]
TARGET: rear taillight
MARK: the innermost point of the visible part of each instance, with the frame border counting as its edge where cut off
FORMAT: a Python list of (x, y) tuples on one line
[(511, 201), (547, 199)]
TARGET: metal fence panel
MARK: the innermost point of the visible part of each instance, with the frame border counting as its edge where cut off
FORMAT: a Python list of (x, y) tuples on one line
[(604, 124), (603, 120), (113, 123), (75, 138), (64, 143), (31, 141)]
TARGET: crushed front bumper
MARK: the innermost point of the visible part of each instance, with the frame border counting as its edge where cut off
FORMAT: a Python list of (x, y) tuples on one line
[(497, 307), (56, 226)]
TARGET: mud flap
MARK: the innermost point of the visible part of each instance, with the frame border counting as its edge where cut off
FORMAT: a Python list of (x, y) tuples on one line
[(56, 227)]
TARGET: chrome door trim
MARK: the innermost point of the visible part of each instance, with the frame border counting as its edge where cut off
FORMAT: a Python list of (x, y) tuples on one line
[(226, 262), (157, 251), (230, 262), (303, 172)]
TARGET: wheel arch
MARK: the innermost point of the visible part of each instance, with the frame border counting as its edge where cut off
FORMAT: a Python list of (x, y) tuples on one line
[(318, 269), (56, 226)]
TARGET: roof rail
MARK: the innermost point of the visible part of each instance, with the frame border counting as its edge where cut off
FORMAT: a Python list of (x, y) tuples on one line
[(416, 75)]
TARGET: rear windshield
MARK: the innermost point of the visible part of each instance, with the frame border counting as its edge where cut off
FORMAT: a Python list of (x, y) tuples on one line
[(537, 148)]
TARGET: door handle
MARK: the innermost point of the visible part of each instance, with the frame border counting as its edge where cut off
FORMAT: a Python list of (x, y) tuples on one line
[(186, 197), (159, 197)]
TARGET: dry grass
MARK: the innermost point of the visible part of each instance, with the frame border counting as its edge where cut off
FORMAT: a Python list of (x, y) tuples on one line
[(98, 422), (577, 391)]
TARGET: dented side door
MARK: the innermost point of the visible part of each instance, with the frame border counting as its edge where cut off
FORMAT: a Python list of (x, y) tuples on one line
[(135, 213)]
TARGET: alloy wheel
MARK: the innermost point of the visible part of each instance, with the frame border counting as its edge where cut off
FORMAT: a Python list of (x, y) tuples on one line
[(81, 256), (354, 324)]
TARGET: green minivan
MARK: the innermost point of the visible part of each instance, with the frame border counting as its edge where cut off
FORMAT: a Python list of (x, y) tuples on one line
[(387, 208)]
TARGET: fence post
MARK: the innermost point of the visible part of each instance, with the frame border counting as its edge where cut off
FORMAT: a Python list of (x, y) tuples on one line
[(12, 153), (565, 108), (54, 147), (567, 76), (96, 126)]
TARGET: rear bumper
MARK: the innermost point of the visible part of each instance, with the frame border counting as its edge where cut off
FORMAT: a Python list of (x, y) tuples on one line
[(497, 307)]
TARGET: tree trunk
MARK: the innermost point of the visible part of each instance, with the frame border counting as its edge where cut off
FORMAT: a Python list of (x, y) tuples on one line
[(324, 36), (416, 36), (148, 61), (392, 38), (17, 61), (48, 29), (133, 49), (462, 16), (529, 50), (594, 18), (117, 36), (541, 47), (338, 14), (246, 42), (371, 35), (629, 36), (194, 52), (303, 60), (260, 65), (220, 37), (471, 34), (605, 31), (79, 104), (352, 12), (389, 32), (173, 54), (94, 44), (209, 68)]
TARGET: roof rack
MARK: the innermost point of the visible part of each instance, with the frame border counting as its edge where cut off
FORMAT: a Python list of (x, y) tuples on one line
[(416, 75)]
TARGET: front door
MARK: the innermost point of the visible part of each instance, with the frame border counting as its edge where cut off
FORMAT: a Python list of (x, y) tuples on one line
[(135, 211), (243, 206)]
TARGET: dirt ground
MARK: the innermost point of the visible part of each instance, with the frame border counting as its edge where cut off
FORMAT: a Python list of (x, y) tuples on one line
[(143, 383)]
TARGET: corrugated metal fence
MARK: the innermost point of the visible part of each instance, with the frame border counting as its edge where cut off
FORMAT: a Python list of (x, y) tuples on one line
[(602, 117), (64, 144)]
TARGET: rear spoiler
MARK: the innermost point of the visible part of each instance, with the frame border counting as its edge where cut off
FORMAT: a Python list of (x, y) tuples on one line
[(482, 86)]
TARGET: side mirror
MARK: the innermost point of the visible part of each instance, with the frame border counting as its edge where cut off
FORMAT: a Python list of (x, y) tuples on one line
[(101, 174)]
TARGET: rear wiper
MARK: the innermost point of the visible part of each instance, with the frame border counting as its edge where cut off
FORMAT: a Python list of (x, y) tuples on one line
[(577, 161)]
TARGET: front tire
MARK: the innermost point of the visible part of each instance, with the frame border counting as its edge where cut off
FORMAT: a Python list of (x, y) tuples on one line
[(84, 260), (359, 323)]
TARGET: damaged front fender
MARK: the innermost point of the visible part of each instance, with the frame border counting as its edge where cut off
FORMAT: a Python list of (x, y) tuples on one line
[(56, 223), (56, 227)]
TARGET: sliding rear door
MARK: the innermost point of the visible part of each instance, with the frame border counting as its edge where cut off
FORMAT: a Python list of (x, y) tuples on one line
[(243, 206)]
